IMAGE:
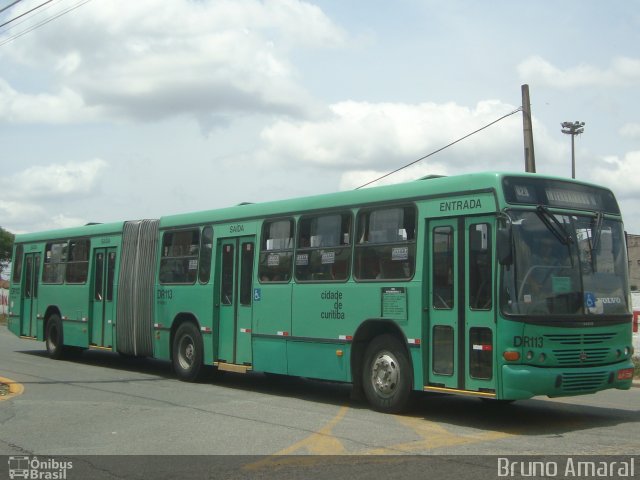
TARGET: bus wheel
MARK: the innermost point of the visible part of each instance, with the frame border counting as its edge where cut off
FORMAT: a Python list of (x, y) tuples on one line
[(187, 352), (387, 374), (55, 339)]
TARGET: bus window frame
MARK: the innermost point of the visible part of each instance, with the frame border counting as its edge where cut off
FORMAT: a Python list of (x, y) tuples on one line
[(349, 215), (18, 260), (366, 245), (200, 263), (267, 221), (63, 262), (67, 262), (162, 257)]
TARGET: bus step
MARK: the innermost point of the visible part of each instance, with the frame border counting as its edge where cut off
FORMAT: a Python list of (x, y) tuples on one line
[(98, 347), (231, 367), (429, 388)]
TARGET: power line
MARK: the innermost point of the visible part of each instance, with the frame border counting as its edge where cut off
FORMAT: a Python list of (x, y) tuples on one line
[(25, 13), (9, 6), (29, 18), (519, 109), (44, 22)]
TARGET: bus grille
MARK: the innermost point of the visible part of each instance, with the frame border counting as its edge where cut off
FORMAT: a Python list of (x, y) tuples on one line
[(580, 338), (583, 348), (583, 382), (587, 356)]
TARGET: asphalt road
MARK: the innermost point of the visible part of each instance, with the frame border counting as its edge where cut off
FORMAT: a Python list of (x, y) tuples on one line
[(102, 404)]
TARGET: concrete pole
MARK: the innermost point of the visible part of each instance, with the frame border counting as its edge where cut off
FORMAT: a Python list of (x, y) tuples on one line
[(527, 130)]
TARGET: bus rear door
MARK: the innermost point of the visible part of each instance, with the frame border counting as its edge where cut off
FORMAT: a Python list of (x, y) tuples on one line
[(460, 324), (235, 257), (104, 267), (29, 309)]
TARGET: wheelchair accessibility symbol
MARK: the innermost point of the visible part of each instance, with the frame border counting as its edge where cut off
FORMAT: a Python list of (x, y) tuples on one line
[(257, 294), (590, 300)]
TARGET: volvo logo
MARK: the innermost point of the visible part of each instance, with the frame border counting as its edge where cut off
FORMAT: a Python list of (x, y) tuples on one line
[(583, 356)]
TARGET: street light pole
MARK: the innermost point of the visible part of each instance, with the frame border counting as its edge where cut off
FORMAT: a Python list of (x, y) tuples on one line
[(573, 129)]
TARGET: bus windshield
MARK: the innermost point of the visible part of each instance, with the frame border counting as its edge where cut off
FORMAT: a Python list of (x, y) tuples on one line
[(565, 265)]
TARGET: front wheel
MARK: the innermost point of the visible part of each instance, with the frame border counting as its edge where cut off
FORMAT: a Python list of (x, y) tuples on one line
[(387, 374), (187, 352), (55, 339)]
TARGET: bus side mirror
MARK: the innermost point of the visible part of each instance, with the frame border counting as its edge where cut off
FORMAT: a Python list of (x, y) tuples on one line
[(503, 245)]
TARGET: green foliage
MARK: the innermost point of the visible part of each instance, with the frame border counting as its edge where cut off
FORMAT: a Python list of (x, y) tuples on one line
[(6, 248)]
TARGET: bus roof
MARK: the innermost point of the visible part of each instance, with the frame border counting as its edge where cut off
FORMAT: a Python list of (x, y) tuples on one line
[(432, 186), (422, 188), (64, 233)]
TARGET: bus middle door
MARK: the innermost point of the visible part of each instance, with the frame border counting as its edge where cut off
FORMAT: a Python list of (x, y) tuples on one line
[(236, 257)]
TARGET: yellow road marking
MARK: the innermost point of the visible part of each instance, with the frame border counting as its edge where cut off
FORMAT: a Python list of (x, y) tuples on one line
[(15, 388), (308, 452), (432, 435), (321, 442), (318, 443)]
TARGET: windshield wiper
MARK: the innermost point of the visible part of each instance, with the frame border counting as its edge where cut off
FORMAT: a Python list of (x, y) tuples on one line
[(596, 230), (553, 225)]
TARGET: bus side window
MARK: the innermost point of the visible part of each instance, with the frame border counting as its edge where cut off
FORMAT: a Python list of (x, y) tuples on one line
[(276, 251), (179, 262), (323, 250), (78, 261), (54, 262), (386, 247), (206, 248), (17, 264)]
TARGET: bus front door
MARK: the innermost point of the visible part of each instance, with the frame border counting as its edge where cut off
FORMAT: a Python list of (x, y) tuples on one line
[(29, 310), (104, 267), (235, 257), (460, 309)]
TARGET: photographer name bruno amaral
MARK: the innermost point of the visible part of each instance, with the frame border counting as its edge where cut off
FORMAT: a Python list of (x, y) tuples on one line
[(567, 468)]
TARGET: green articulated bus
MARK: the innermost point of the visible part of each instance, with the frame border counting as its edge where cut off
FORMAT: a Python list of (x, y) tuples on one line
[(500, 286)]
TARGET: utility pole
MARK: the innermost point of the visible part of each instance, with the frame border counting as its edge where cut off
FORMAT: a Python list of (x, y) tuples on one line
[(573, 129), (527, 130)]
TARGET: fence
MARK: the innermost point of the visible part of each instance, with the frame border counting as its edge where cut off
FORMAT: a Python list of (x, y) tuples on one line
[(4, 301)]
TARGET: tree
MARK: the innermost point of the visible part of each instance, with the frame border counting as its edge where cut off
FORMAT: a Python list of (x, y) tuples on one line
[(6, 248)]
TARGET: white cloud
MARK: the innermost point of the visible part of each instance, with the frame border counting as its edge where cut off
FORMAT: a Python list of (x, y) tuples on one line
[(623, 72), (631, 130), (66, 106), (22, 217), (616, 173), (364, 139), (54, 181), (151, 59)]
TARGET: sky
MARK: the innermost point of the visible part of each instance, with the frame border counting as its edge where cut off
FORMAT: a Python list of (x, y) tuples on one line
[(114, 109)]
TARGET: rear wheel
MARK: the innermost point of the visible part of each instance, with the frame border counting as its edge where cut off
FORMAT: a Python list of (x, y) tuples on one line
[(54, 338), (386, 376), (187, 352)]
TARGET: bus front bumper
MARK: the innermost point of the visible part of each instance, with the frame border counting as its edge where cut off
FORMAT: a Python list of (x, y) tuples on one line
[(526, 381)]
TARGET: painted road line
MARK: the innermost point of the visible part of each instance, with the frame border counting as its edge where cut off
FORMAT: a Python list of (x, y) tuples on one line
[(308, 450), (432, 436)]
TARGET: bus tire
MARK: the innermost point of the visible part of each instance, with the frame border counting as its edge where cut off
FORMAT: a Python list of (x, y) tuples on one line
[(386, 375), (54, 340), (187, 352)]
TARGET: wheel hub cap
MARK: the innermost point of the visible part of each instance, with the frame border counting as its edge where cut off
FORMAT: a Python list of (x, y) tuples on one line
[(385, 374)]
